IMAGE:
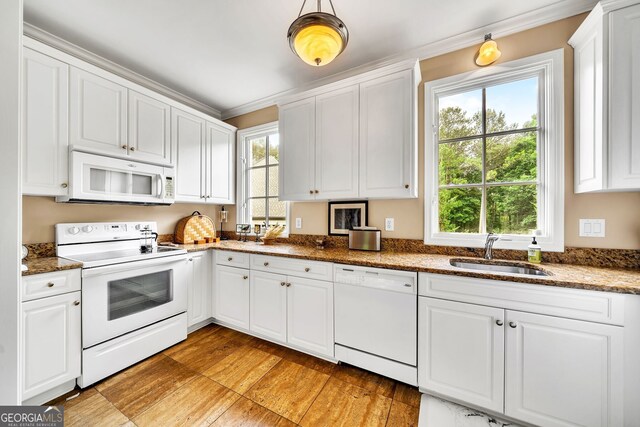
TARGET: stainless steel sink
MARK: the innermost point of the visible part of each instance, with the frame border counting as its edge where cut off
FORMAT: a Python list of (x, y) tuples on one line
[(499, 267)]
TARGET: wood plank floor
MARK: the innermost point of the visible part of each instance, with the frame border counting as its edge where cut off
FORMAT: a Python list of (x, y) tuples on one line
[(221, 377)]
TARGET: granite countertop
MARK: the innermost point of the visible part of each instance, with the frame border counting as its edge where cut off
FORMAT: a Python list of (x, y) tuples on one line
[(49, 264), (562, 275)]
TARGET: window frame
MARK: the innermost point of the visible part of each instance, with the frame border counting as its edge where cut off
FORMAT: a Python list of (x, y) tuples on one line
[(549, 68), (242, 191)]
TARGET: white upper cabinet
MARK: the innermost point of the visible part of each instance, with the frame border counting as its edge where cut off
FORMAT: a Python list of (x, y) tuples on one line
[(388, 137), (187, 134), (220, 164), (98, 113), (336, 150), (297, 141), (45, 125), (607, 99), (356, 138), (149, 129)]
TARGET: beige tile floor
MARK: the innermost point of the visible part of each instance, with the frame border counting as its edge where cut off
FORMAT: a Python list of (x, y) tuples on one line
[(221, 377)]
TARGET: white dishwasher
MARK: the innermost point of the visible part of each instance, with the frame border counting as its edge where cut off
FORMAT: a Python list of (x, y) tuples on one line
[(376, 320)]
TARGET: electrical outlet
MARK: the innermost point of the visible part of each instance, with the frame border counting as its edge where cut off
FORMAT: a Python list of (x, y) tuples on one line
[(592, 227), (388, 224), (298, 222)]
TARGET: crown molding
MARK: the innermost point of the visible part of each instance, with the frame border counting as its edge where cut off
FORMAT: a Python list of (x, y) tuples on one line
[(526, 21), (76, 51)]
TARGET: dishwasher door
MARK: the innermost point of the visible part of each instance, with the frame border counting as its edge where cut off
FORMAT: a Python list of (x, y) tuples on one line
[(376, 312)]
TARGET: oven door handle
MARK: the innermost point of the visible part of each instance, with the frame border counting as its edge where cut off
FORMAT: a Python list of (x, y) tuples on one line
[(134, 265)]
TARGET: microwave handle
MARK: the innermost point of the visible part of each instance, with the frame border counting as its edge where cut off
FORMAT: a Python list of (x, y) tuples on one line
[(161, 186)]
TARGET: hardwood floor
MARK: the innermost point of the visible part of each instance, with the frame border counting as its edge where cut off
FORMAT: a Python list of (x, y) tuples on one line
[(220, 377)]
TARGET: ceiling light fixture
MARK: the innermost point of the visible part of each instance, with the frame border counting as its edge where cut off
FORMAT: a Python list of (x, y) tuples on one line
[(489, 52), (318, 37)]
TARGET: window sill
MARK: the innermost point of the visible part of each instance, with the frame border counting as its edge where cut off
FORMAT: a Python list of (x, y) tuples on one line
[(511, 242)]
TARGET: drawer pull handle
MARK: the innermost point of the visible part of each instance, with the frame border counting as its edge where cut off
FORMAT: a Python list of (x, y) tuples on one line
[(50, 284), (307, 269), (245, 277), (76, 303), (283, 283), (266, 264), (230, 259), (499, 322), (407, 285), (513, 324)]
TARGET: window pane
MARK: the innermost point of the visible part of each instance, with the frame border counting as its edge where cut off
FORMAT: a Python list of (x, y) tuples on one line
[(277, 211), (258, 147), (460, 115), (512, 209), (257, 182), (460, 210), (512, 105), (274, 149), (512, 158), (257, 210), (273, 180), (460, 162)]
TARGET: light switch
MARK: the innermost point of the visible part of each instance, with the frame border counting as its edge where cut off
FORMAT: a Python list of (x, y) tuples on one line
[(388, 224), (592, 228), (298, 222)]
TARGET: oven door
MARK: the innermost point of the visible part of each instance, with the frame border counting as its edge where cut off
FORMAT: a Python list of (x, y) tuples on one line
[(121, 298)]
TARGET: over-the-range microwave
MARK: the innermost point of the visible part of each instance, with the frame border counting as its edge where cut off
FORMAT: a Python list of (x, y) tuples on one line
[(96, 178)]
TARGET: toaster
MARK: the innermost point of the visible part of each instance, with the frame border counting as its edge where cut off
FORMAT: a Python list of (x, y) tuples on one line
[(364, 239)]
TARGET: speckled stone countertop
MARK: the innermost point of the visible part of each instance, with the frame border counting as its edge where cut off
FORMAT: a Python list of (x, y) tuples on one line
[(562, 275), (49, 264)]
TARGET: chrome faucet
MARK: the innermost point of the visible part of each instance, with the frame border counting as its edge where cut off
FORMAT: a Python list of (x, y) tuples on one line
[(488, 245)]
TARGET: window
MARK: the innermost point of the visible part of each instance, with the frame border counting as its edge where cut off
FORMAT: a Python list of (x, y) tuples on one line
[(494, 156), (258, 172)]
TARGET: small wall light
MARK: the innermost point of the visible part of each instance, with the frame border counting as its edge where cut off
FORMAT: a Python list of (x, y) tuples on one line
[(489, 52)]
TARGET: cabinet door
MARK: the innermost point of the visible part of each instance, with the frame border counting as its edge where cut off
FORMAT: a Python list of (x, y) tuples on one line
[(310, 315), (297, 141), (336, 153), (624, 98), (98, 113), (45, 133), (187, 138), (388, 140), (220, 161), (268, 302), (231, 298), (562, 372), (461, 351), (199, 307), (50, 343), (149, 124)]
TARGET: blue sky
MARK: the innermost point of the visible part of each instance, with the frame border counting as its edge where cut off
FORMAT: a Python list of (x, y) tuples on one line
[(518, 100)]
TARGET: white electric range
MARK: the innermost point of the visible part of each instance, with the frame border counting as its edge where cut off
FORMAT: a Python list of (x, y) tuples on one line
[(134, 293)]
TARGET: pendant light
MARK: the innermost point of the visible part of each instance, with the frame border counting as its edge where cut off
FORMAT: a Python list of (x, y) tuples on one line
[(318, 37), (489, 52)]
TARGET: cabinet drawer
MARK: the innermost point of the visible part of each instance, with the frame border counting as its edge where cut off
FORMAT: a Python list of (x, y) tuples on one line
[(232, 259), (49, 284), (293, 267), (578, 304)]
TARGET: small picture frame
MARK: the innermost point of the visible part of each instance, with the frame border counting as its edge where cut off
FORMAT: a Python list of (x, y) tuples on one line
[(344, 216)]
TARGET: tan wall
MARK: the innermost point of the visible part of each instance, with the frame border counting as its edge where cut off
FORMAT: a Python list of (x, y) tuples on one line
[(620, 210), (40, 214)]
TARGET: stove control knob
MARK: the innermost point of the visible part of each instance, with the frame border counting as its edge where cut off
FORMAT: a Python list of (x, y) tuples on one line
[(87, 228), (74, 230)]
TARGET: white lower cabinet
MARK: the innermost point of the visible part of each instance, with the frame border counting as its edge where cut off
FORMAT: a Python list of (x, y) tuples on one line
[(199, 306), (231, 299), (540, 369), (293, 310), (50, 346)]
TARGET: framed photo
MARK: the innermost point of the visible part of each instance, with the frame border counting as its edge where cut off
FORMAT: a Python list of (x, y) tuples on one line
[(343, 216)]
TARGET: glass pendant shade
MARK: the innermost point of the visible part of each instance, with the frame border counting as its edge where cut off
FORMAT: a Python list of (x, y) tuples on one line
[(488, 53), (318, 38)]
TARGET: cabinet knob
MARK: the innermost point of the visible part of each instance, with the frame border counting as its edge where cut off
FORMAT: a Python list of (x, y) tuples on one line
[(190, 259), (310, 191), (307, 269), (124, 147), (406, 186), (132, 148), (230, 258), (288, 284), (499, 322), (76, 303), (266, 264), (282, 283), (64, 185), (50, 284), (513, 324), (245, 277), (317, 191)]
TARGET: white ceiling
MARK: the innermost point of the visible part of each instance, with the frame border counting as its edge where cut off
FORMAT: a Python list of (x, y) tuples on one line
[(226, 53)]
